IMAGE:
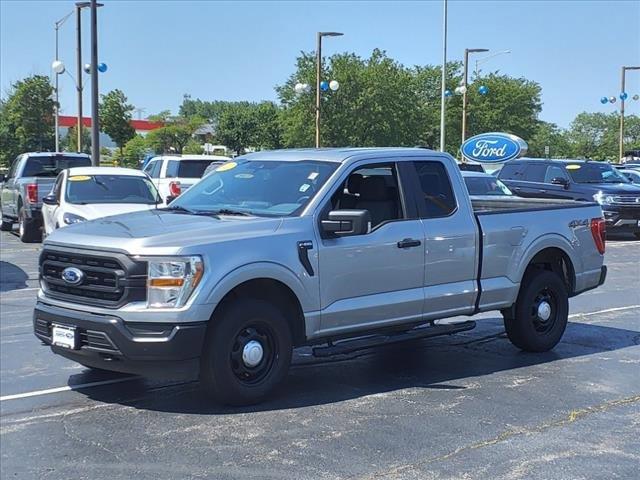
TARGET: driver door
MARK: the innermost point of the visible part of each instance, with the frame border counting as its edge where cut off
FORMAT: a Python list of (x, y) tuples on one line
[(374, 279)]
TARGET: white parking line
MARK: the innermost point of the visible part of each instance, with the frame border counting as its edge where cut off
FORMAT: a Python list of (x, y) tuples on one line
[(607, 310), (65, 388)]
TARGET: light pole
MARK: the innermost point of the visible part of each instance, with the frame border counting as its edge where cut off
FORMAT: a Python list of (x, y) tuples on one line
[(467, 51), (443, 80), (95, 119), (623, 97), (482, 60), (318, 73), (58, 68)]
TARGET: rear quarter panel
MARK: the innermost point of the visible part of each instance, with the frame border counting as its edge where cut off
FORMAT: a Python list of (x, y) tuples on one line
[(511, 240)]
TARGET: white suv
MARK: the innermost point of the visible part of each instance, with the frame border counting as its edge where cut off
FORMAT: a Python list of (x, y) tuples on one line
[(173, 174)]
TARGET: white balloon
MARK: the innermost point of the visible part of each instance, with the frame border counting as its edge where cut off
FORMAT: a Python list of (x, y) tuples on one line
[(87, 68), (334, 85), (298, 88), (57, 66), (306, 87)]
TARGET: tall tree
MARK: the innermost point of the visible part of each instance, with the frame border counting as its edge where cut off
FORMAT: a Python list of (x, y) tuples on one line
[(26, 118), (549, 135), (174, 136), (115, 118), (596, 135)]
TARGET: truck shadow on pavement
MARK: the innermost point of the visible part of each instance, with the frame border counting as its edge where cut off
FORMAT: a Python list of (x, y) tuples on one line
[(13, 277), (456, 362)]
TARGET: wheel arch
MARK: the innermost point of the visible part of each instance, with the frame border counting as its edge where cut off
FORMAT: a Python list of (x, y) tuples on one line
[(554, 258)]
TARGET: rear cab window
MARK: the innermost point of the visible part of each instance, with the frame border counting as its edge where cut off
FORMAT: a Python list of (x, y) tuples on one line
[(51, 166), (435, 198), (187, 168)]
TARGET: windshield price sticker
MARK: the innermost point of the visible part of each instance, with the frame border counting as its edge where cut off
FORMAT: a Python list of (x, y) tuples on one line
[(226, 166), (79, 178), (572, 167)]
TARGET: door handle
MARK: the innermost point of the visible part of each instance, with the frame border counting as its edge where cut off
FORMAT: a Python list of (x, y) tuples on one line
[(409, 242)]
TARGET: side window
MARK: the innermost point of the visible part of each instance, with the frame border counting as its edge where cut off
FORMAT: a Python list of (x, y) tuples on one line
[(374, 188), (535, 172), (554, 171), (14, 167), (153, 168), (439, 200), (149, 167), (172, 169), (511, 171)]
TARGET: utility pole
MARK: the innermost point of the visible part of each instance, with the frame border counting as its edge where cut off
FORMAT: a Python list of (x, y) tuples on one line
[(444, 77), (467, 51), (622, 99), (318, 80), (79, 7), (95, 119)]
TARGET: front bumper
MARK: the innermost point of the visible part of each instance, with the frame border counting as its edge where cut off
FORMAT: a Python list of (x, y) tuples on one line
[(622, 218), (107, 342)]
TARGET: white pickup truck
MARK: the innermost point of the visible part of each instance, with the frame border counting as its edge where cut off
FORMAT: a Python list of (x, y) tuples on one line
[(342, 249)]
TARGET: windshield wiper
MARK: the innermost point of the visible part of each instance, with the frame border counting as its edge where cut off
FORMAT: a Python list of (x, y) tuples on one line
[(228, 211), (178, 208)]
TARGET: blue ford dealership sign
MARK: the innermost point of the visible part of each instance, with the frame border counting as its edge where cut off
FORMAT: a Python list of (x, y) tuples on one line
[(494, 147)]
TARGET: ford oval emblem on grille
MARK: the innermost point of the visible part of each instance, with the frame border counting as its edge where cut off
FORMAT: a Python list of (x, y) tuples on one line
[(72, 275)]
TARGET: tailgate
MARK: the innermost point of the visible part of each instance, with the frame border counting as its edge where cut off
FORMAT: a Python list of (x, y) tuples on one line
[(45, 185)]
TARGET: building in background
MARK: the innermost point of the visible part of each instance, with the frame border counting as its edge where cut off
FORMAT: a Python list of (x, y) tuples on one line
[(142, 127)]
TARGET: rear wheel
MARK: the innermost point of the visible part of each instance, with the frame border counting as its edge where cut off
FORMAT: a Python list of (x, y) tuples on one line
[(6, 225), (247, 352), (541, 312), (28, 228)]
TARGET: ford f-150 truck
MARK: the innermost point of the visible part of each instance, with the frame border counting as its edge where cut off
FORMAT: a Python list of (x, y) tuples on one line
[(342, 249), (30, 178)]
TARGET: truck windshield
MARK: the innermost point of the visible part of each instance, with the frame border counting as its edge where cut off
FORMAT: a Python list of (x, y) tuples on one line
[(51, 166), (269, 188), (593, 172), (83, 189)]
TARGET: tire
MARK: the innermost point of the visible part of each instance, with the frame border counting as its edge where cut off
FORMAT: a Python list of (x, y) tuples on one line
[(28, 228), (6, 226), (224, 373), (637, 235), (528, 329)]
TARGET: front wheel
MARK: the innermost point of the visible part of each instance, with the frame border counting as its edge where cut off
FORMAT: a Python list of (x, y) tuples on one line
[(541, 312), (247, 352), (6, 225), (28, 229)]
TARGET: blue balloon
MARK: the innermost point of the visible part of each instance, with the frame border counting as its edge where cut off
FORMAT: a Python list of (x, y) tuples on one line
[(102, 67), (324, 86), (483, 90), (447, 93), (604, 100), (624, 96)]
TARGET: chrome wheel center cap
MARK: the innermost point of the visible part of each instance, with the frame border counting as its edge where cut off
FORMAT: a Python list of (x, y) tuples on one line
[(252, 353), (544, 311)]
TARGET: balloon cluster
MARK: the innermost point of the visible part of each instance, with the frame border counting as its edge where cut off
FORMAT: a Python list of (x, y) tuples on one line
[(623, 96), (301, 88)]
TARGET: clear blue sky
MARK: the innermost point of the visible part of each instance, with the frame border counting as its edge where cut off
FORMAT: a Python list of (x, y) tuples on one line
[(158, 50)]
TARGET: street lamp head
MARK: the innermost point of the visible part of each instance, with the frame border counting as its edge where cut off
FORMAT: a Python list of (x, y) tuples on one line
[(58, 67), (87, 5), (331, 34), (477, 50)]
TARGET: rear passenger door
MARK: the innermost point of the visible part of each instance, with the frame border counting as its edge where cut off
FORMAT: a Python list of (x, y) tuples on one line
[(512, 175), (450, 240)]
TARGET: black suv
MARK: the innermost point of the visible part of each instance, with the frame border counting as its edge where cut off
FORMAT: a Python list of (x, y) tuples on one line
[(578, 180)]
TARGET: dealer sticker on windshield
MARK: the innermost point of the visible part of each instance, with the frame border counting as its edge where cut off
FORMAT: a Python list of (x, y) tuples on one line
[(226, 166), (573, 167), (79, 178)]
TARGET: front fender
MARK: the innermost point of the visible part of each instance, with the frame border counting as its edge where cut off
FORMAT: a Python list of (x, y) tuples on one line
[(257, 270)]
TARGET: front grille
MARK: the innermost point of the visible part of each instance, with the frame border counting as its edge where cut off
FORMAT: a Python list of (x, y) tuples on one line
[(109, 280), (626, 200)]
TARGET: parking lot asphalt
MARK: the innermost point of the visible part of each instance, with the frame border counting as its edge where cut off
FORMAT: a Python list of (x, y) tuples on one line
[(468, 405)]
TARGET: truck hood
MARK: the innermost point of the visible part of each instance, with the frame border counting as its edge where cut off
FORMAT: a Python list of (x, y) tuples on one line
[(159, 232), (613, 188)]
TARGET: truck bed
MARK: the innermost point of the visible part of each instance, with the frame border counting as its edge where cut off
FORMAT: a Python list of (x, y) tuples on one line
[(503, 204)]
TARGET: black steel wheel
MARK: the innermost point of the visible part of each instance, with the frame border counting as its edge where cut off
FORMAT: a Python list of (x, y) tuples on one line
[(541, 312)]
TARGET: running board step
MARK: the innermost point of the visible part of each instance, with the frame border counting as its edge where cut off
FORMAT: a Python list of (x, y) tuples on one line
[(348, 346)]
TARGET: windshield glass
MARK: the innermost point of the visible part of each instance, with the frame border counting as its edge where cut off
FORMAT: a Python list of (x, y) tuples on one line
[(83, 189), (270, 188), (486, 186), (52, 166), (593, 172), (191, 168)]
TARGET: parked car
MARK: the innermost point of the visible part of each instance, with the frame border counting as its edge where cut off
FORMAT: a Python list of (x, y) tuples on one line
[(578, 180), (484, 184), (87, 193), (174, 174), (281, 249), (30, 178)]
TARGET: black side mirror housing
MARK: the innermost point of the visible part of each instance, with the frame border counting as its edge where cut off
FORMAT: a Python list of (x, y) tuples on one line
[(560, 181), (50, 200), (344, 223)]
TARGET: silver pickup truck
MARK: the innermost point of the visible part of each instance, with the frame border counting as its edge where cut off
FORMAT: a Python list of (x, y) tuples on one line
[(342, 249), (30, 178)]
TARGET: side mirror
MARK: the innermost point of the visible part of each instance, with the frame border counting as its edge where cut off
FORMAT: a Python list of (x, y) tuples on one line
[(2, 177), (50, 200), (345, 223), (560, 181)]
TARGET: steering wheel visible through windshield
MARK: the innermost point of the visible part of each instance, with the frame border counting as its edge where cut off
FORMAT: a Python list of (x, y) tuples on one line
[(264, 188)]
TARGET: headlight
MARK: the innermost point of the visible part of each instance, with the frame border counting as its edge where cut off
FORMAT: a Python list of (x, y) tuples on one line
[(603, 199), (172, 280), (71, 218)]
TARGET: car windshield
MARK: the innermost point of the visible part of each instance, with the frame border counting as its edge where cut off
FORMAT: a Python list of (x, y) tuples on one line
[(51, 166), (269, 188), (593, 172), (486, 186), (83, 189)]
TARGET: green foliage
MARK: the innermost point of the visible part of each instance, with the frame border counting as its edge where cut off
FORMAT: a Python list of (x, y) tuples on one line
[(134, 151), (115, 117), (70, 141), (173, 137), (26, 118), (548, 134), (193, 147), (243, 124)]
